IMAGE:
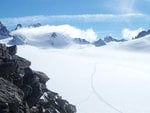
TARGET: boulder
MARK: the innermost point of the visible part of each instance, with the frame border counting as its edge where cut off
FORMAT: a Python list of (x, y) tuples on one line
[(43, 78)]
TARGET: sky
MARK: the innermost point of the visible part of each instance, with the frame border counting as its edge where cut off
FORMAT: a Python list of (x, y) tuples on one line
[(105, 17)]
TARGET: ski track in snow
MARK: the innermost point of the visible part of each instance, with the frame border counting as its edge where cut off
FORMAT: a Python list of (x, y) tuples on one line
[(98, 95)]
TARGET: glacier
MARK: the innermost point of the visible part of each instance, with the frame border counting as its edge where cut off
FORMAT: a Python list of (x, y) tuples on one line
[(108, 79)]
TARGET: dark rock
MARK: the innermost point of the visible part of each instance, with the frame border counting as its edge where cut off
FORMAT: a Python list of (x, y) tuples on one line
[(8, 68), (12, 50), (58, 104), (4, 107), (4, 52), (21, 62), (16, 108), (54, 35), (10, 93), (37, 92), (35, 25), (27, 89), (80, 41), (17, 40), (142, 34), (29, 78), (99, 42), (3, 31), (71, 108), (18, 26), (108, 39), (43, 78)]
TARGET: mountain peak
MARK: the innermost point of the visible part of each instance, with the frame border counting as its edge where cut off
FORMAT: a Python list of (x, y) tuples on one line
[(54, 35), (18, 26), (99, 42), (35, 25), (108, 39), (3, 31), (80, 41), (142, 34)]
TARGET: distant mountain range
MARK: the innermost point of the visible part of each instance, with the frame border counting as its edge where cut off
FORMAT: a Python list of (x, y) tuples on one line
[(53, 39), (142, 34)]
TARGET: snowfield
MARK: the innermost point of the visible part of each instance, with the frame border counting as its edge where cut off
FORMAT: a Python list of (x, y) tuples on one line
[(96, 80)]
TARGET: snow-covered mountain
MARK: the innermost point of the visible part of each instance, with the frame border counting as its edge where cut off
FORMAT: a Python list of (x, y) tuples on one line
[(35, 25), (108, 39), (80, 41), (38, 35), (99, 42), (140, 44), (43, 36), (51, 39)]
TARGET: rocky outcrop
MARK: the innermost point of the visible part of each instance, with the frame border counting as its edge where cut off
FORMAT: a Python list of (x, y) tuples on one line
[(35, 25), (80, 41), (142, 34), (99, 42), (3, 31), (108, 39), (17, 40), (18, 26), (21, 88)]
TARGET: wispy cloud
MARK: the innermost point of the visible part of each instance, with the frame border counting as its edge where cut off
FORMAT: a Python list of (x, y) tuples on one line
[(130, 34), (67, 30), (71, 18), (122, 6)]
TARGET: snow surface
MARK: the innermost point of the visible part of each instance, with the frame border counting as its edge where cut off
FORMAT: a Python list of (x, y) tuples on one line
[(96, 80), (109, 79)]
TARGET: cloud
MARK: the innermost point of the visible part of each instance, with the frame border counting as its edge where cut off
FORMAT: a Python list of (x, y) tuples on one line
[(71, 18), (130, 34), (121, 6), (68, 30)]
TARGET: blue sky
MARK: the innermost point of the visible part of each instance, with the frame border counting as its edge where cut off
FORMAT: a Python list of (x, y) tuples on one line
[(105, 17)]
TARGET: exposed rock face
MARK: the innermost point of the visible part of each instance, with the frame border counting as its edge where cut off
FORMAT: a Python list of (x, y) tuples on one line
[(17, 40), (18, 26), (21, 88), (108, 39), (142, 34), (35, 25), (80, 41), (3, 31), (99, 42)]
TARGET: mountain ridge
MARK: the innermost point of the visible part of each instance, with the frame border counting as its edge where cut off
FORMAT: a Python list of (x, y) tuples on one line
[(31, 35)]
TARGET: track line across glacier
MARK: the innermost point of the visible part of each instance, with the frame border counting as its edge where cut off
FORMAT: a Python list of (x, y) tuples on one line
[(97, 94)]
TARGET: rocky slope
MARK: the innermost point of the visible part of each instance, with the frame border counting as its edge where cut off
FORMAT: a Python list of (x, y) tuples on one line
[(23, 90), (142, 34), (3, 31)]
